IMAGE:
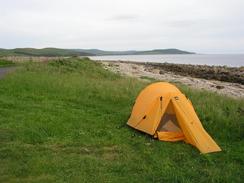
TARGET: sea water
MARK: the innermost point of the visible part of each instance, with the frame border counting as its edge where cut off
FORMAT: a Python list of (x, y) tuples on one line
[(231, 60)]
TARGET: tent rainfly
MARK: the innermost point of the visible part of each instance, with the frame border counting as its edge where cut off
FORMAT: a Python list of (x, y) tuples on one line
[(163, 111)]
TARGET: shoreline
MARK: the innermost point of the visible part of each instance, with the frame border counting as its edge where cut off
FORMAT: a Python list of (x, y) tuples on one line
[(203, 77)]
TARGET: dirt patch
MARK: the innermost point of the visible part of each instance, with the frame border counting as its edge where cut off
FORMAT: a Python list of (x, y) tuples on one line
[(145, 70)]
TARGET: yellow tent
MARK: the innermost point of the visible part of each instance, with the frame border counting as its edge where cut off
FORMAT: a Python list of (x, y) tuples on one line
[(163, 111)]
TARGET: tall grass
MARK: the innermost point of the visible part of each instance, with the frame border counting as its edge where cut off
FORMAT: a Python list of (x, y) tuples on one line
[(65, 121)]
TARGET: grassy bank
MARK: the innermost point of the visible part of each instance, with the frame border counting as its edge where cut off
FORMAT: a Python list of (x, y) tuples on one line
[(6, 63), (65, 122)]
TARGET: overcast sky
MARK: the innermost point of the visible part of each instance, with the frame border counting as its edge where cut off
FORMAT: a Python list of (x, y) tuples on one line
[(203, 26)]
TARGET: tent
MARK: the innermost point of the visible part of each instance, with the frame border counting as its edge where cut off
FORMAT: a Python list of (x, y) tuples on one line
[(163, 111)]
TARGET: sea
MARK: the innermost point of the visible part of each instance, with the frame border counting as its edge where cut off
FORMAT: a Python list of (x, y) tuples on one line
[(230, 60)]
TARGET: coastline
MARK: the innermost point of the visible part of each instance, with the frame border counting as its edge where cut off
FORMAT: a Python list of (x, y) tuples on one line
[(220, 79)]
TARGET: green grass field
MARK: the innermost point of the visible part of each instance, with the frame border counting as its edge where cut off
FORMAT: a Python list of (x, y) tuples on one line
[(65, 121)]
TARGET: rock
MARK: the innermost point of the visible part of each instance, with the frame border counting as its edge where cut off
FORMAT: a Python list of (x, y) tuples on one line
[(155, 71), (219, 87), (221, 73), (194, 76)]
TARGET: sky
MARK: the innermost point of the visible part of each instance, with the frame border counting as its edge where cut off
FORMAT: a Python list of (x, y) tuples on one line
[(202, 26)]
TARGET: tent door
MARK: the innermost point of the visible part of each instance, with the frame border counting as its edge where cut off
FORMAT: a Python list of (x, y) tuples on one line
[(169, 129), (169, 123)]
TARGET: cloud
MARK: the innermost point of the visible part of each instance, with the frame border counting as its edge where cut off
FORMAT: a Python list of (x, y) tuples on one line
[(184, 23), (125, 17)]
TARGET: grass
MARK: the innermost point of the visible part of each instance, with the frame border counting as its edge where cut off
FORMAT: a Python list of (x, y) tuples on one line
[(6, 63), (65, 121)]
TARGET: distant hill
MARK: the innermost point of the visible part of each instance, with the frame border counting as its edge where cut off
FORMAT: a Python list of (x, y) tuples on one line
[(48, 52), (134, 52), (163, 51), (102, 52), (51, 52)]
